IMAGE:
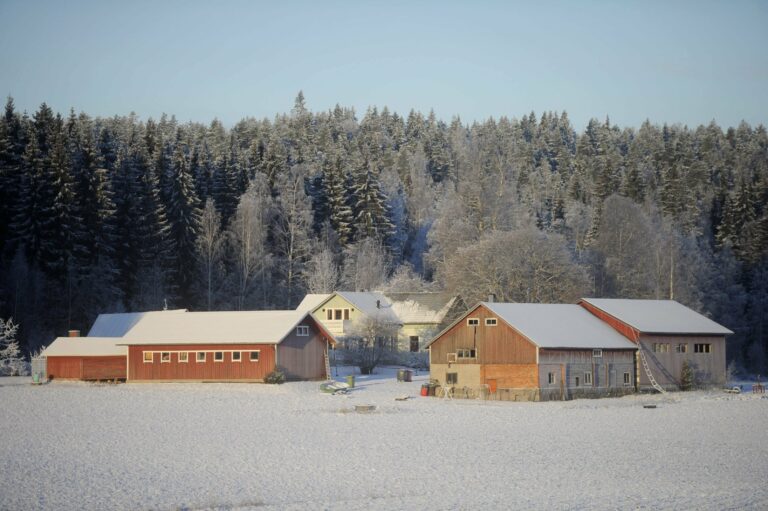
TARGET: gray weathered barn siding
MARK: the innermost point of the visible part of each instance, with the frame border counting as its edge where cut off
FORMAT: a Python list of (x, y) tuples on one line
[(607, 373), (709, 368)]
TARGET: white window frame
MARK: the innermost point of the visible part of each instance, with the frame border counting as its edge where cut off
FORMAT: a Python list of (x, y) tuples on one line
[(162, 356), (551, 378), (491, 321), (476, 321), (627, 379), (152, 357), (451, 357), (239, 356), (186, 357), (588, 378), (216, 353), (597, 353), (302, 331), (258, 356), (681, 347), (197, 357)]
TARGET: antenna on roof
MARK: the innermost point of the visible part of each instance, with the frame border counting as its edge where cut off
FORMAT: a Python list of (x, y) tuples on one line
[(165, 304)]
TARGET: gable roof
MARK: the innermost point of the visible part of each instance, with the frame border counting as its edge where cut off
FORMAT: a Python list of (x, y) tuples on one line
[(553, 326), (84, 347), (658, 316), (231, 327), (118, 324), (424, 307), (312, 301), (371, 303)]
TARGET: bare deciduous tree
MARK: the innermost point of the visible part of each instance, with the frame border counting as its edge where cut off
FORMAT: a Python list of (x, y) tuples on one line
[(322, 275), (210, 243)]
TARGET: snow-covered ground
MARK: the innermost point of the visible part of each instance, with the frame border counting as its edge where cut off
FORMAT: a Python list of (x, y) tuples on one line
[(240, 446)]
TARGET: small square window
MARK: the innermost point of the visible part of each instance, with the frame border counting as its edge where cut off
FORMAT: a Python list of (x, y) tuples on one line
[(550, 378), (201, 356), (451, 378), (473, 321), (149, 357), (597, 353), (627, 379), (165, 356), (490, 321), (588, 378), (578, 381), (302, 331), (235, 356), (254, 356), (218, 356), (183, 356)]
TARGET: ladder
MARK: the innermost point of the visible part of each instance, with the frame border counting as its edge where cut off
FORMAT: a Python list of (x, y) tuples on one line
[(327, 363), (648, 369)]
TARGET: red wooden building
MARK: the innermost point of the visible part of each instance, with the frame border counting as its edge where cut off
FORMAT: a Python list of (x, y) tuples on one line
[(194, 346)]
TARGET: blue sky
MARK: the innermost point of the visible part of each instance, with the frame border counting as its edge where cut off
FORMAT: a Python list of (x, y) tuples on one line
[(673, 61)]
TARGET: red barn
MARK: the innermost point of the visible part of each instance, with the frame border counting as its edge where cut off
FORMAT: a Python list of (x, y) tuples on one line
[(195, 346)]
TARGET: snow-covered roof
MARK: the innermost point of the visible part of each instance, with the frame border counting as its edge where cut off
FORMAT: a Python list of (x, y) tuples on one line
[(84, 346), (117, 325), (658, 316), (311, 301), (421, 307), (371, 303), (231, 327), (563, 326)]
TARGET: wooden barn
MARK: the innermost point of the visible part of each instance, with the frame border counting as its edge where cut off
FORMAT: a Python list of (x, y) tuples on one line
[(172, 346), (668, 334), (521, 351)]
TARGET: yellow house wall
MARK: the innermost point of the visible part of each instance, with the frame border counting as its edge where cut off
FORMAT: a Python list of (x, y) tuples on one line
[(425, 331)]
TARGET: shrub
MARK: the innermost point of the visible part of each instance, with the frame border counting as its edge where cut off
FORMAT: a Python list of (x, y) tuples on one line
[(686, 376), (276, 377)]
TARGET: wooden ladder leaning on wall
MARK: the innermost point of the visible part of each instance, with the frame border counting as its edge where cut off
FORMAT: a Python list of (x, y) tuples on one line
[(648, 369), (327, 362)]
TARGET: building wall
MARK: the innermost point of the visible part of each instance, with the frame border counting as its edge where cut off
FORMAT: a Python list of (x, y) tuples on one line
[(568, 365), (499, 344), (86, 368), (425, 332), (228, 370), (337, 327), (709, 368), (302, 357), (621, 327)]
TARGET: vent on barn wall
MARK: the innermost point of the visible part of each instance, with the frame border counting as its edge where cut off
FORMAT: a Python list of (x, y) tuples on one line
[(451, 357)]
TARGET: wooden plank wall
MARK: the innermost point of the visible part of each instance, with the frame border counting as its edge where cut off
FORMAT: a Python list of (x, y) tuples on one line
[(511, 376), (499, 344), (667, 367), (621, 327), (86, 368), (302, 357), (245, 370)]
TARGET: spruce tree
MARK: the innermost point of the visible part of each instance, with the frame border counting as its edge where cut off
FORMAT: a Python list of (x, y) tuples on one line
[(371, 211)]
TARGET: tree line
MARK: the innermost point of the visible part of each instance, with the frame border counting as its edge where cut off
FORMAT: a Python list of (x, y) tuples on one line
[(120, 214)]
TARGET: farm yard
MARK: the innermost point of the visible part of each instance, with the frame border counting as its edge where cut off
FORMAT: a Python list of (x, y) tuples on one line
[(242, 446)]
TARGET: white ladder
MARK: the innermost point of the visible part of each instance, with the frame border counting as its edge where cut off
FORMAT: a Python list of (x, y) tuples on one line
[(648, 369), (327, 364)]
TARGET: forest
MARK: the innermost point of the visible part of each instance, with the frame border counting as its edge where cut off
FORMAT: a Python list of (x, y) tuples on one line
[(123, 214)]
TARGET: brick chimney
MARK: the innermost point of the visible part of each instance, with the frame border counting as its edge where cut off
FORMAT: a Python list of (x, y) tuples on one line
[(73, 333)]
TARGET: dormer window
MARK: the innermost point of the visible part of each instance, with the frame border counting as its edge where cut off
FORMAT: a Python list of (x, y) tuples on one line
[(302, 331)]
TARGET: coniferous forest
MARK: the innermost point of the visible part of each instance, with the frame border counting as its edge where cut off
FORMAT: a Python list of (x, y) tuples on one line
[(124, 214)]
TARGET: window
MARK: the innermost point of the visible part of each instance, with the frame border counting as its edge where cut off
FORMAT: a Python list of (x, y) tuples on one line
[(165, 356), (465, 353), (473, 321), (451, 378), (302, 331), (337, 314), (578, 381), (627, 379), (681, 348), (346, 313), (149, 357), (597, 353), (661, 347), (329, 314), (702, 348), (414, 343), (218, 356), (201, 356), (490, 321), (183, 356), (551, 378), (235, 356), (254, 356), (588, 378)]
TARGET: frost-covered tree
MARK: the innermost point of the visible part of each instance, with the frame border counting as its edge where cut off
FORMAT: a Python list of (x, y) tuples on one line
[(9, 348), (322, 275), (210, 245)]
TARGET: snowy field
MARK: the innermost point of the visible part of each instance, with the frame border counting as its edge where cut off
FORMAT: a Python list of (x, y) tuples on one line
[(250, 446)]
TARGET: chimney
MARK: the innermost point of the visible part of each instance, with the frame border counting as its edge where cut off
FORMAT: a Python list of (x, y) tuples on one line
[(491, 298), (73, 333)]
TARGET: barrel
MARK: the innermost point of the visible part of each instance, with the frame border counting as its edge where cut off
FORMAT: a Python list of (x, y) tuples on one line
[(351, 381)]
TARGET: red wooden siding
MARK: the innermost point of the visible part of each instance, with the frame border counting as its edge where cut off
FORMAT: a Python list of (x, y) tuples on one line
[(498, 344), (210, 370), (86, 368), (621, 327)]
